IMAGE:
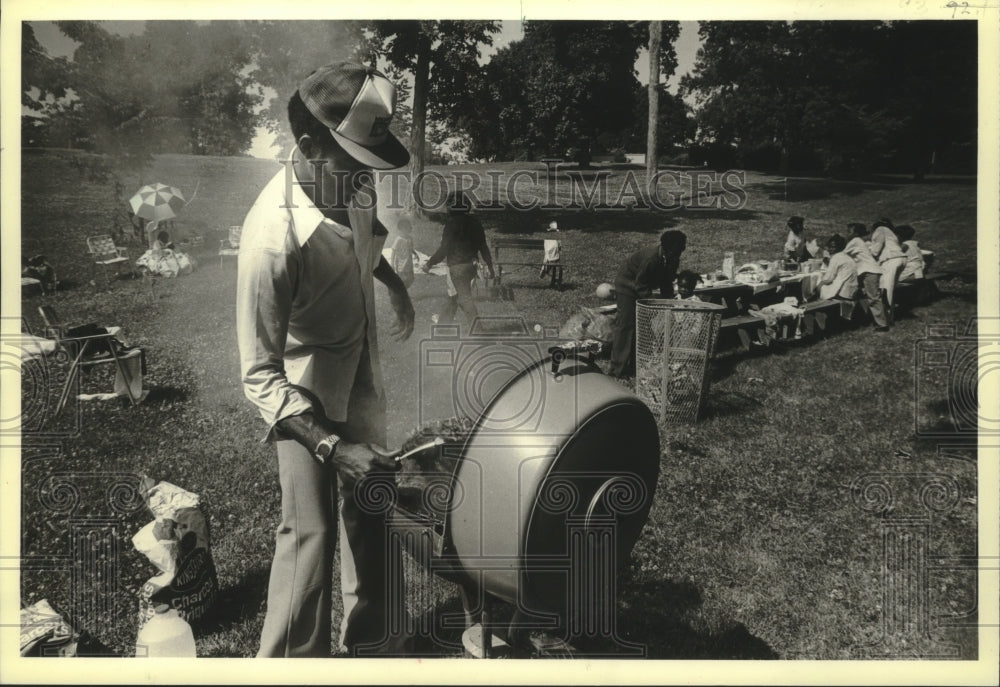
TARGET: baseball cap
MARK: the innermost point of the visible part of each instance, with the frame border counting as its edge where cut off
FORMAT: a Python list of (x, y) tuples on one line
[(356, 103)]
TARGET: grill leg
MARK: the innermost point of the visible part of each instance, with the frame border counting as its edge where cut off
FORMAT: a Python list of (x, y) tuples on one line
[(468, 605), (486, 626)]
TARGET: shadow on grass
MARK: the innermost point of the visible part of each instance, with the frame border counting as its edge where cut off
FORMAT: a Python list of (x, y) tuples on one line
[(728, 403), (534, 222), (664, 629), (236, 603), (661, 628), (907, 180), (167, 394), (805, 190)]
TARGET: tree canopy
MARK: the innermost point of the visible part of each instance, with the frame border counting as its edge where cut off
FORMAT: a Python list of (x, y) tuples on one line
[(565, 84), (285, 52), (839, 95), (442, 57), (844, 97), (176, 87)]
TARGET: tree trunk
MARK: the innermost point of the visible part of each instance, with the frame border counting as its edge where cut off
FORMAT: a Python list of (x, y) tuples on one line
[(655, 30), (421, 73), (783, 161)]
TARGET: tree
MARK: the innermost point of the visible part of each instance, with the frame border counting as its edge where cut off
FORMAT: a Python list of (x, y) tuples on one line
[(653, 96), (668, 59), (934, 92), (565, 84), (836, 95), (285, 52), (743, 83), (39, 72), (443, 58), (177, 87), (675, 125)]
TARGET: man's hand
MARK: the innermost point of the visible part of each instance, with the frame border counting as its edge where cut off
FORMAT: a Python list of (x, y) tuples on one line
[(403, 307), (354, 461), (399, 299)]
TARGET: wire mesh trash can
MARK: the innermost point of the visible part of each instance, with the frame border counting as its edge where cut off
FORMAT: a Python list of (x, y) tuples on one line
[(674, 344)]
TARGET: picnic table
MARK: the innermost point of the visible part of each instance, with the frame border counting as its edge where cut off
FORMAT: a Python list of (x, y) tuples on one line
[(738, 297), (742, 298)]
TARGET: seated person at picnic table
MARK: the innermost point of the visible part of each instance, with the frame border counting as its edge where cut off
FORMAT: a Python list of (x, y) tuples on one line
[(914, 267), (687, 282), (869, 274), (841, 278), (653, 267)]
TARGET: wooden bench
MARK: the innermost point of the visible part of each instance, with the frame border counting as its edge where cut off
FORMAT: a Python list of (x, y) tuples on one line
[(919, 291), (556, 279), (818, 313), (735, 298), (744, 326), (816, 318)]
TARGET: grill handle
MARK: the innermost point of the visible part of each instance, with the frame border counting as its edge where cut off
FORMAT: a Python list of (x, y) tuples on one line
[(578, 350)]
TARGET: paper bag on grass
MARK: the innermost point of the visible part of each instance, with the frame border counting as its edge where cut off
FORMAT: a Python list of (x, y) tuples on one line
[(177, 544)]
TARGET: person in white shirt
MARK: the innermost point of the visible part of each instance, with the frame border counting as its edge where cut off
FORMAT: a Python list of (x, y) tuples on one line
[(886, 249), (305, 319), (915, 265), (841, 278), (868, 274)]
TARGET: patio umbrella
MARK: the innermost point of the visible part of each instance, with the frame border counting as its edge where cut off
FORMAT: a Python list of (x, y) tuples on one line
[(157, 202)]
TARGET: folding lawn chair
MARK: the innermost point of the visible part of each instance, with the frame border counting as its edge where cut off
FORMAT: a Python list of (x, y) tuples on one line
[(88, 346), (55, 328), (106, 254), (231, 245)]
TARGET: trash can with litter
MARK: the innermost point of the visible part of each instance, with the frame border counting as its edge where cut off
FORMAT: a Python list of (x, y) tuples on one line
[(674, 344)]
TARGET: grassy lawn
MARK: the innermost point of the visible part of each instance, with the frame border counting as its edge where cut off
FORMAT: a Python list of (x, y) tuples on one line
[(757, 545)]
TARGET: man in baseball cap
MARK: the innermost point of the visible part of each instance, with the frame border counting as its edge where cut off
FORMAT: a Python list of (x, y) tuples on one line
[(356, 103), (310, 248)]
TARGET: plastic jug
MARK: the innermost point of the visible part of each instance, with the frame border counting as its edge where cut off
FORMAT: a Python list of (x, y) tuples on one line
[(165, 635), (729, 264)]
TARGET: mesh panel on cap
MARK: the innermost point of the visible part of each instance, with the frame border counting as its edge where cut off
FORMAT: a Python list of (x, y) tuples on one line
[(330, 91)]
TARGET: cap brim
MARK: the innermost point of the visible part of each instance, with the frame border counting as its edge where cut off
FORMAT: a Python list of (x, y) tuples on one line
[(387, 155)]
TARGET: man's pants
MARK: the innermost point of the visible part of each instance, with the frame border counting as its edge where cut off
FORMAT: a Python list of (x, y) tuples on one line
[(869, 283), (461, 277), (891, 270), (298, 621), (623, 347)]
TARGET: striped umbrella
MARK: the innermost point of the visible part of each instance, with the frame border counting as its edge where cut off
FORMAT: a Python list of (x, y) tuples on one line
[(157, 202)]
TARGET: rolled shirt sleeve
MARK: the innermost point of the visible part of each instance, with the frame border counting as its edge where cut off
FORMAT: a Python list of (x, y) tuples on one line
[(263, 308)]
